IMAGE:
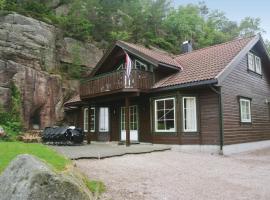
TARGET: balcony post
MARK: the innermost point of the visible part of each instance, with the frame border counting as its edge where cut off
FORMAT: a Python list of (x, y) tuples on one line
[(127, 121), (88, 136)]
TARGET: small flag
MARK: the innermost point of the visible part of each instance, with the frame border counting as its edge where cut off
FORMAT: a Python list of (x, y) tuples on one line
[(128, 65)]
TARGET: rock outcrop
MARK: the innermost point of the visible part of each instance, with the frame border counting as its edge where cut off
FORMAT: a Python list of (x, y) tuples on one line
[(28, 178), (31, 52), (87, 54)]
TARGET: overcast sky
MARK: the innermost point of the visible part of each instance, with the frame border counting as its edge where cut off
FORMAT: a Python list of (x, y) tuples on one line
[(239, 9)]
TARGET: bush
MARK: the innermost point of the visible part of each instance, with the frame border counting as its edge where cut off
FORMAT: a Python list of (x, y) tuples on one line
[(11, 121)]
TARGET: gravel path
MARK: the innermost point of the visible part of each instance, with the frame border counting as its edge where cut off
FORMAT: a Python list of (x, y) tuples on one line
[(173, 175)]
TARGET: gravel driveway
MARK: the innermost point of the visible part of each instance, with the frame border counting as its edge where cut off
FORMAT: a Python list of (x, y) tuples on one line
[(173, 175)]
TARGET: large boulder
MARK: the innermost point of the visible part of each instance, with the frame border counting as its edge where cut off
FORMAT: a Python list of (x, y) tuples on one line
[(27, 178)]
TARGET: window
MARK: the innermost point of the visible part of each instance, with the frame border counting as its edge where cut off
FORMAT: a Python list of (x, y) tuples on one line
[(86, 120), (245, 111), (133, 121), (254, 63), (189, 114), (93, 120), (258, 65), (104, 119), (165, 115), (140, 65)]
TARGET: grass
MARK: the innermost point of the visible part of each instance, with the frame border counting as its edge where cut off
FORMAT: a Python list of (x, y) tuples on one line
[(96, 187), (9, 150)]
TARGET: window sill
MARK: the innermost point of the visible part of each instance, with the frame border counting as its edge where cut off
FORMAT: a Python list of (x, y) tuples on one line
[(186, 133), (254, 73), (246, 123)]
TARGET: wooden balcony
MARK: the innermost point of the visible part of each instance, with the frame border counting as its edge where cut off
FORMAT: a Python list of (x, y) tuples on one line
[(116, 82)]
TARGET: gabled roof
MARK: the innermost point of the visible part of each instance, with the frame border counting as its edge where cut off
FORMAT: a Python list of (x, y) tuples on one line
[(73, 100), (158, 56), (207, 63), (154, 57)]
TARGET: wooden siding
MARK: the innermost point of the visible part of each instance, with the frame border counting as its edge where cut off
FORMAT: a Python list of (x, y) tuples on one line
[(208, 119), (241, 82)]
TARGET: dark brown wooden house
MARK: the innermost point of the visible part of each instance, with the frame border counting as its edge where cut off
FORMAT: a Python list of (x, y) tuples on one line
[(215, 97)]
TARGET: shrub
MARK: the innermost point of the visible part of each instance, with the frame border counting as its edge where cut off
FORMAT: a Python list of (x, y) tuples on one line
[(11, 121)]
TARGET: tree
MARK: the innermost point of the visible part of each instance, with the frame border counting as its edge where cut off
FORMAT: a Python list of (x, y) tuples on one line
[(267, 43), (2, 4), (250, 26)]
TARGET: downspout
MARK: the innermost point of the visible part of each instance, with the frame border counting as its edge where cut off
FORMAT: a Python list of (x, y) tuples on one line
[(221, 122)]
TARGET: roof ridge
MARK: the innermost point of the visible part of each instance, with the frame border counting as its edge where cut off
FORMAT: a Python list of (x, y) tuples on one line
[(143, 46), (220, 44)]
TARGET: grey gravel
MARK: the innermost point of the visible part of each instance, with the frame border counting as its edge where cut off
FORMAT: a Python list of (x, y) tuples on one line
[(173, 175)]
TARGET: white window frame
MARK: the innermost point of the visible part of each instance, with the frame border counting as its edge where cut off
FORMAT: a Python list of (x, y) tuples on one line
[(254, 63), (195, 114), (94, 119), (258, 65), (132, 124), (245, 120), (85, 119), (86, 116), (155, 110), (141, 64), (108, 121), (251, 63)]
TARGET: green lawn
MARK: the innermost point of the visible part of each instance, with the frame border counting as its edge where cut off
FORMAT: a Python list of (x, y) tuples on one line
[(9, 150)]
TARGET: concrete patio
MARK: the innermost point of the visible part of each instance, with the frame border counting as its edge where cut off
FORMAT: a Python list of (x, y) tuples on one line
[(99, 150)]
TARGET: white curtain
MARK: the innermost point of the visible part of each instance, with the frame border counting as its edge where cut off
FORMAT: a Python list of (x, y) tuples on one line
[(190, 114), (104, 119), (85, 119)]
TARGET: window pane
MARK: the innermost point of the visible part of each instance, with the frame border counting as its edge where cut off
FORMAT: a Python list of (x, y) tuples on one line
[(93, 120), (85, 119), (164, 115), (169, 124), (258, 65), (160, 125), (169, 114), (104, 120), (251, 62), (245, 110), (160, 105), (190, 115), (160, 115), (169, 104)]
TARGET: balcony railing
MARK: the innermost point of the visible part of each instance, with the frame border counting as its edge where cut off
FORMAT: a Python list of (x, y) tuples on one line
[(116, 81)]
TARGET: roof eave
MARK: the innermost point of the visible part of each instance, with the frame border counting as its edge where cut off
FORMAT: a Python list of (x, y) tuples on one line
[(223, 74), (186, 85)]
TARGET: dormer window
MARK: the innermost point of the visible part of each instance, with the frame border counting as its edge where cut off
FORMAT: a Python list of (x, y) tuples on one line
[(254, 63), (140, 65)]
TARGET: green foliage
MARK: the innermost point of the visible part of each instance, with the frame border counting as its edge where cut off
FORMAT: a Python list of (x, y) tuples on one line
[(267, 43), (151, 22), (96, 187), (120, 35), (250, 26), (11, 120), (9, 150), (2, 4)]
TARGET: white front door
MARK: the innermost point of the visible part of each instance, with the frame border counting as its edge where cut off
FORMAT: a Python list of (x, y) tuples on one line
[(133, 123)]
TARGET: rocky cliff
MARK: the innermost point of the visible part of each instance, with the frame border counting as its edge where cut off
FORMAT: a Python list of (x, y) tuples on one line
[(30, 50)]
